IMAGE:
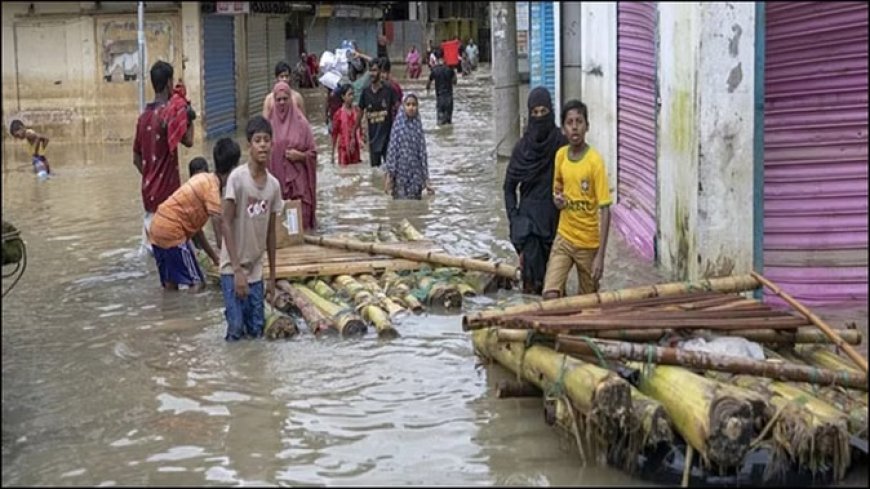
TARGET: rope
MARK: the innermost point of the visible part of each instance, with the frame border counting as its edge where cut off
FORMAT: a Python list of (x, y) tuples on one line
[(648, 364), (602, 362), (557, 388)]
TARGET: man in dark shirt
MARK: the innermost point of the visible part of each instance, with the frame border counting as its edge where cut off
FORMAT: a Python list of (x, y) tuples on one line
[(376, 105), (444, 78)]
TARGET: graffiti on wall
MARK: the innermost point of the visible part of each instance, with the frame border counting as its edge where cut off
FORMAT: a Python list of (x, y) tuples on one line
[(120, 47)]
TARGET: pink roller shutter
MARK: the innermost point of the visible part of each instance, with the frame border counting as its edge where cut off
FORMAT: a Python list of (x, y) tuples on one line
[(815, 150), (635, 214)]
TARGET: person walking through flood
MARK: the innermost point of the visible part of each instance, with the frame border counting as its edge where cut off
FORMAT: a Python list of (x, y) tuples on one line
[(163, 124), (406, 172), (472, 52), (282, 73), (251, 203), (534, 217), (178, 223), (412, 63), (581, 192), (345, 132), (444, 78), (294, 154), (36, 144), (377, 104)]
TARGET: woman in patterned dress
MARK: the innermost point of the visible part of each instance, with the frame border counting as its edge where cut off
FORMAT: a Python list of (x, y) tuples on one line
[(406, 171)]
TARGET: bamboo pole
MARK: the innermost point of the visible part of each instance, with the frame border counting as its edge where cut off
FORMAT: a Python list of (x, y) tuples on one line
[(825, 358), (398, 289), (615, 350), (587, 324), (600, 395), (278, 325), (364, 301), (322, 288), (439, 292), (737, 283), (500, 269), (315, 310), (854, 355), (765, 336), (408, 232), (372, 285)]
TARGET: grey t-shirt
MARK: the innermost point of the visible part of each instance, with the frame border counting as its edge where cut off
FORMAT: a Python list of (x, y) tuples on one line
[(251, 227)]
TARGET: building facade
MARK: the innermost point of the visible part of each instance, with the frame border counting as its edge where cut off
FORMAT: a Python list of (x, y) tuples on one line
[(735, 134)]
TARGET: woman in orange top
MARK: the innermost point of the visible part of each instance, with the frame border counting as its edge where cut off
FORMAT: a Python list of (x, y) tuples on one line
[(181, 217)]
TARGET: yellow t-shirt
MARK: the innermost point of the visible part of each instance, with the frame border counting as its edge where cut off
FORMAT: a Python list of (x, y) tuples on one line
[(584, 185)]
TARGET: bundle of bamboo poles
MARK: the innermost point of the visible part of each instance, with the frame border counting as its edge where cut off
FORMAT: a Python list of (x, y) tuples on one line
[(804, 405)]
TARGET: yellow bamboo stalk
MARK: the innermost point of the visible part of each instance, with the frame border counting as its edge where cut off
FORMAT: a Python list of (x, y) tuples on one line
[(715, 420), (372, 285), (407, 231), (364, 300), (731, 284), (600, 395), (278, 325), (338, 317), (397, 287), (440, 293)]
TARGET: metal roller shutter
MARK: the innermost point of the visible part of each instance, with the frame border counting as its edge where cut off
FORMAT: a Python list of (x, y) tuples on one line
[(276, 42), (543, 47), (315, 37), (635, 214), (260, 73), (815, 150), (220, 80)]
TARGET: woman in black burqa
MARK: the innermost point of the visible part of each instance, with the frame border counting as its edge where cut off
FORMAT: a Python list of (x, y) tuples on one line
[(534, 218)]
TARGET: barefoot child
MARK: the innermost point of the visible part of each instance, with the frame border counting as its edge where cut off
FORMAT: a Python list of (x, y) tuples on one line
[(581, 192), (344, 129), (182, 216), (36, 144), (251, 202)]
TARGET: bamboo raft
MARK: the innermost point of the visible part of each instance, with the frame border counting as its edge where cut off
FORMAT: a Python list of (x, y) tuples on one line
[(801, 409), (344, 286)]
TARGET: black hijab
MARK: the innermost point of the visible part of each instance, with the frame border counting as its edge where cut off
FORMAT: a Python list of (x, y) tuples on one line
[(534, 152)]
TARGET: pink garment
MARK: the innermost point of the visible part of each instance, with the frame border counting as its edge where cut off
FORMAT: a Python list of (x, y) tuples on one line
[(290, 130)]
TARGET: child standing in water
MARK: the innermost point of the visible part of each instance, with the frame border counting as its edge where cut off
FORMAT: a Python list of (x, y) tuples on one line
[(406, 172), (344, 129), (36, 144)]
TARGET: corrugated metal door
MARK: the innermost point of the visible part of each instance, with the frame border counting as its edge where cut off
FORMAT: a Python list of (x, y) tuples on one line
[(635, 213), (315, 37), (260, 73), (220, 80), (276, 42), (542, 51), (815, 150)]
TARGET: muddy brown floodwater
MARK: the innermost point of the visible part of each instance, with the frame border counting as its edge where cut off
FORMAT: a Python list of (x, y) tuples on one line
[(108, 380)]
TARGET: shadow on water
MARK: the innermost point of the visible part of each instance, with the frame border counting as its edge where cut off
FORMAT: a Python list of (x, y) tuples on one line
[(109, 380)]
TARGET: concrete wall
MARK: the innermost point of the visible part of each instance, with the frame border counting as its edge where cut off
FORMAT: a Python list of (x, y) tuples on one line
[(726, 85), (705, 77), (61, 75), (598, 44)]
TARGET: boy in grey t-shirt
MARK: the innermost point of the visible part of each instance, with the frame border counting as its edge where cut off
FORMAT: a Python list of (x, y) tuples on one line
[(251, 201)]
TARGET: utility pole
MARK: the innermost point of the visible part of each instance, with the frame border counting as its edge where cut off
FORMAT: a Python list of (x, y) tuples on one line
[(505, 99), (141, 38)]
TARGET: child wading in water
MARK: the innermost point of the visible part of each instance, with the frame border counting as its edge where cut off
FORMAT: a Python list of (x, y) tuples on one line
[(251, 203), (36, 144), (406, 172), (580, 191), (345, 133)]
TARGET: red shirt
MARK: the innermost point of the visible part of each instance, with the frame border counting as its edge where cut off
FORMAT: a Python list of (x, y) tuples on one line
[(160, 175)]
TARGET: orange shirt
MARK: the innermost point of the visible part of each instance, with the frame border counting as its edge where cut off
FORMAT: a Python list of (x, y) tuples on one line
[(186, 211)]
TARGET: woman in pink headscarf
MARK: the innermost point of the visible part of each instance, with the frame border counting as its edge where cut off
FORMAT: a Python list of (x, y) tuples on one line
[(412, 61), (294, 154)]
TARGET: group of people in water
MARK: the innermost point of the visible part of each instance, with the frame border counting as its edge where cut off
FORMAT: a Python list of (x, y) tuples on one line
[(555, 184)]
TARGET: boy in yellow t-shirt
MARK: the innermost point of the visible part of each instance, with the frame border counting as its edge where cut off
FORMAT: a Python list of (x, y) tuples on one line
[(580, 191)]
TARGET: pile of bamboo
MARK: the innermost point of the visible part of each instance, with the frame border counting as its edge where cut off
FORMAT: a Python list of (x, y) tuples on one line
[(618, 353), (348, 305)]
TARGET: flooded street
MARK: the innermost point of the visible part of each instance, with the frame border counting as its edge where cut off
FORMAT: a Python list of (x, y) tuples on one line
[(108, 380)]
